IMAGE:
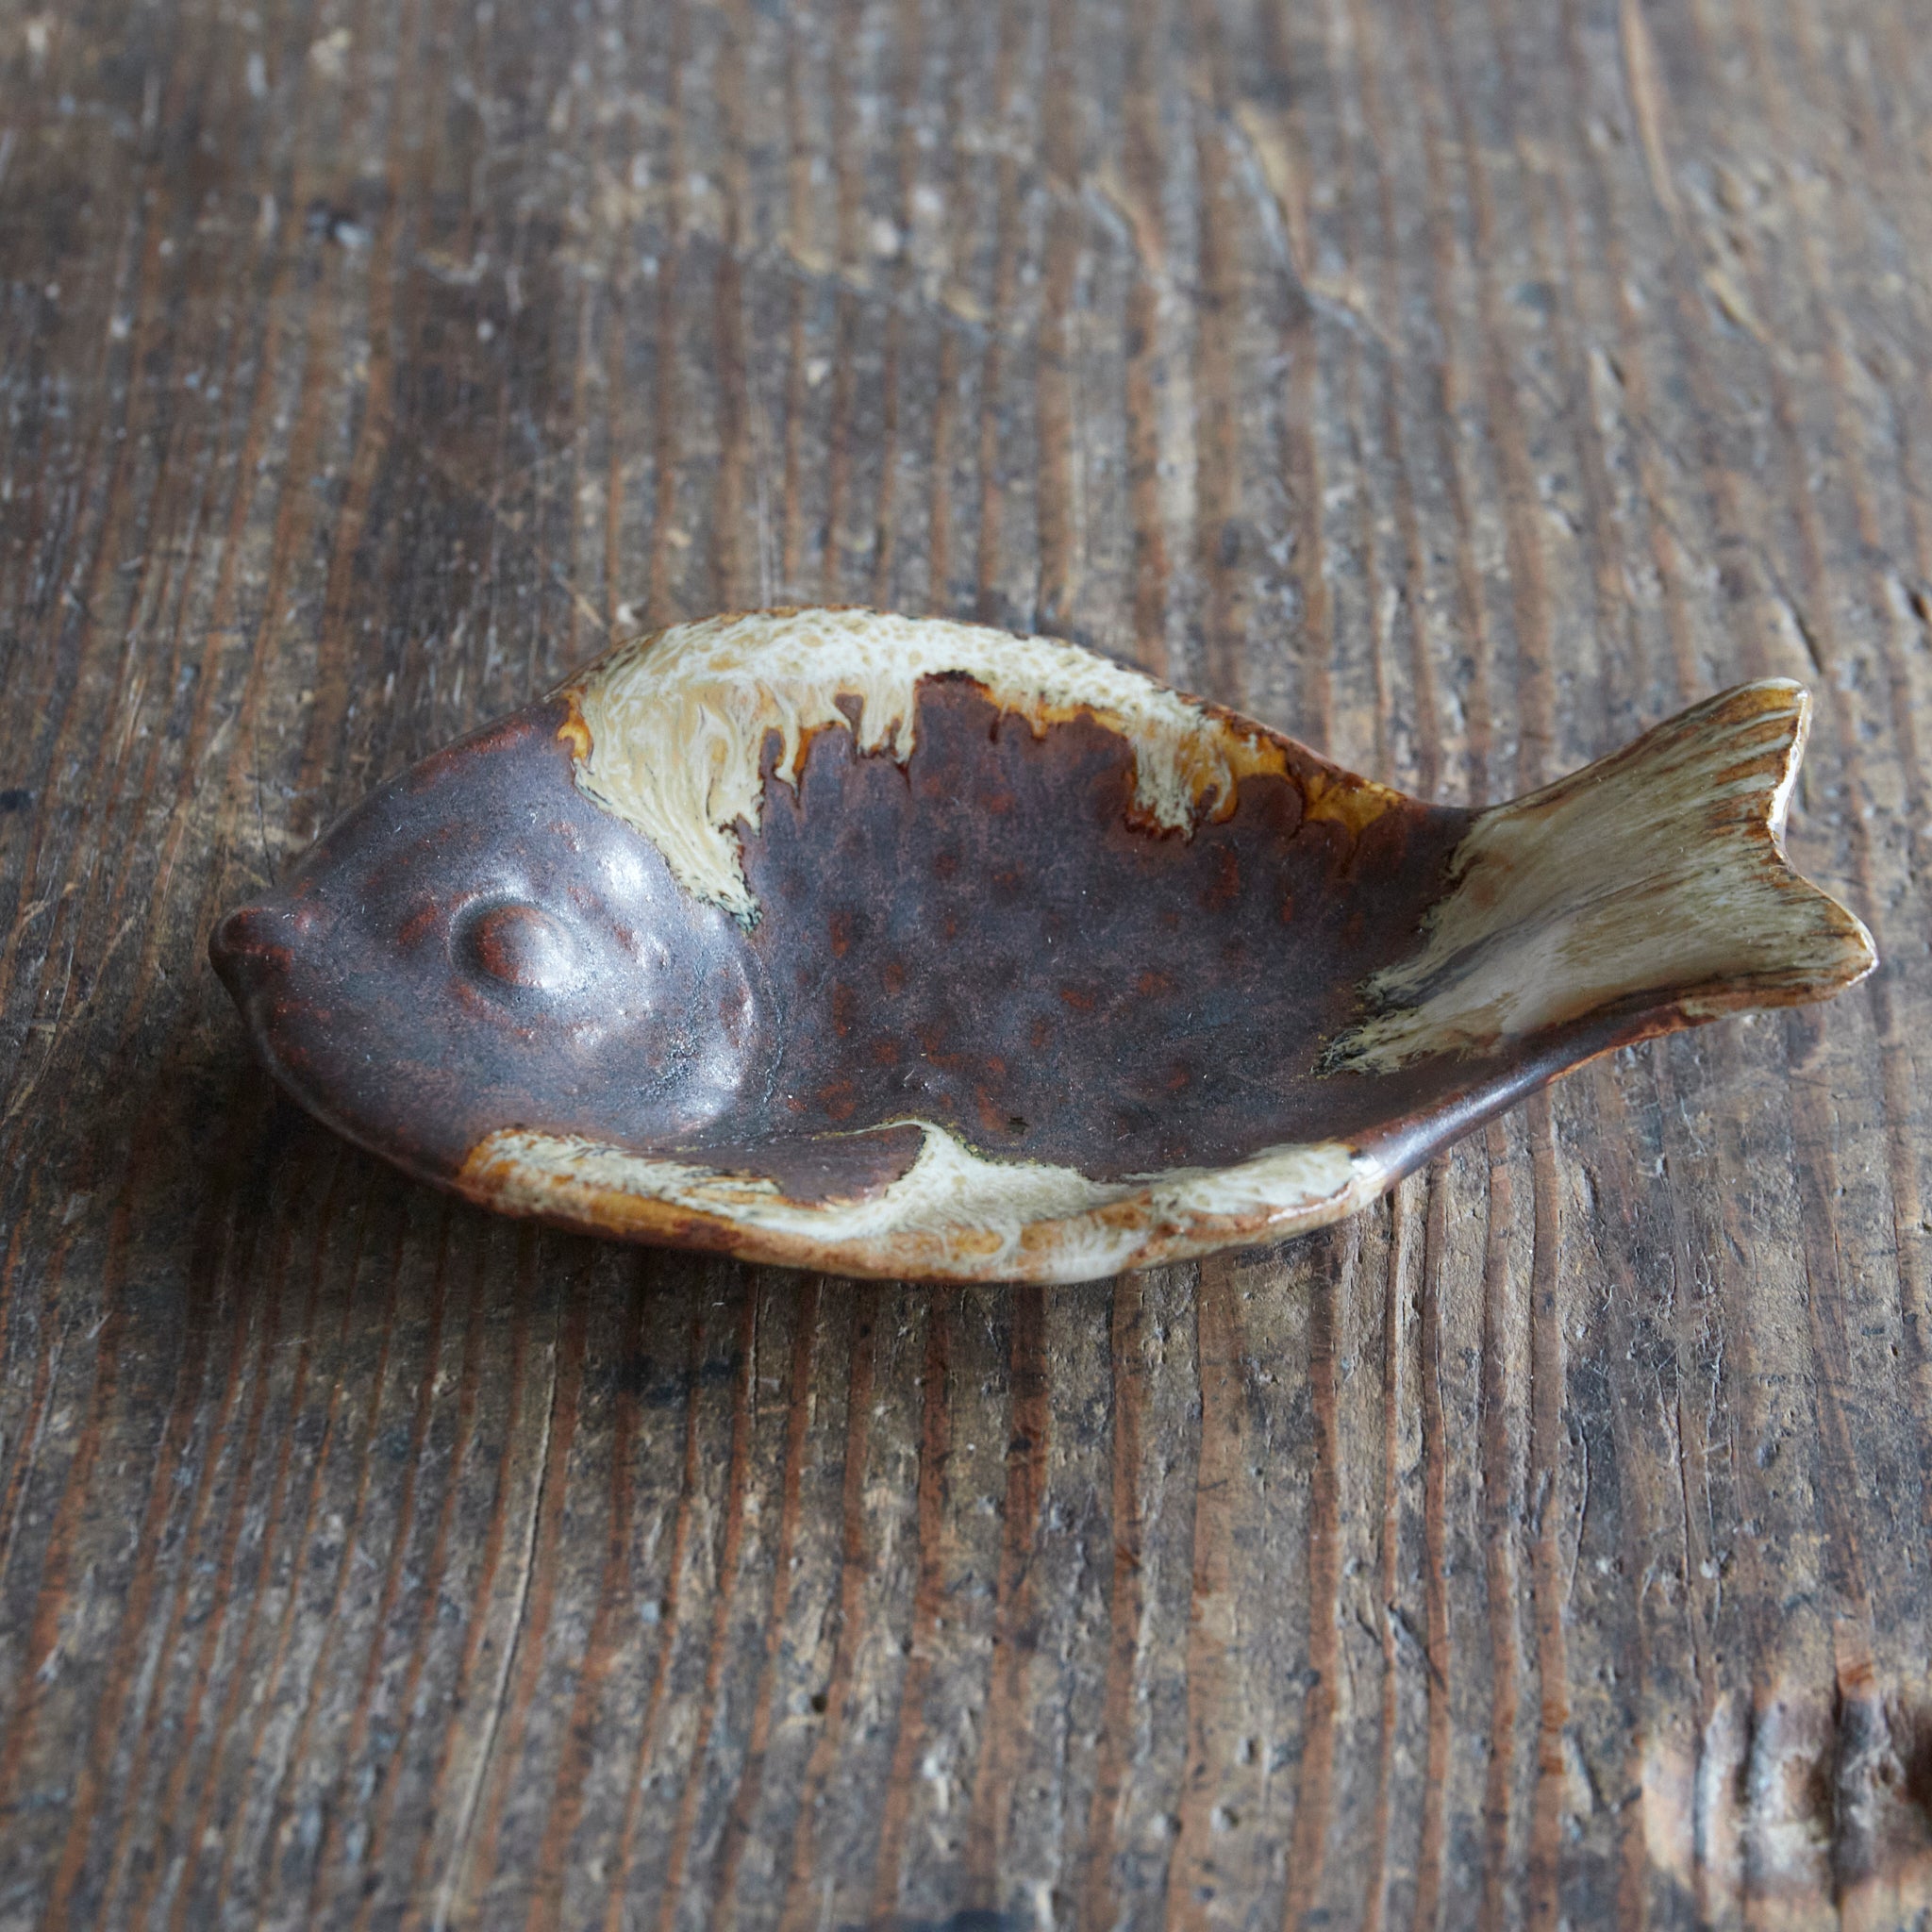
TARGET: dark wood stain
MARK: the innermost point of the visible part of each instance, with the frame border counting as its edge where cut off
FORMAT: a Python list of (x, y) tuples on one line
[(1457, 386)]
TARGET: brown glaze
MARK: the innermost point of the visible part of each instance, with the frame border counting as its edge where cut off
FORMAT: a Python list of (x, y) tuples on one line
[(978, 1010), (478, 944), (985, 940)]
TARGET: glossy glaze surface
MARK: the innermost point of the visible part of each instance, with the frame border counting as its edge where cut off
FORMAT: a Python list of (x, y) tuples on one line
[(902, 947)]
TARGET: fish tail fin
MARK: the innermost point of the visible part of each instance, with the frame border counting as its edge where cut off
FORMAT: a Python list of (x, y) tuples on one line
[(1654, 879)]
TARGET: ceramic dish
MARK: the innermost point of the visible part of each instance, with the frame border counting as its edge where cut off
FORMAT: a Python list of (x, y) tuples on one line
[(901, 947)]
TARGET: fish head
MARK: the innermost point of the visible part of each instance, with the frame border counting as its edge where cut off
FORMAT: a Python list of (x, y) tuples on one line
[(480, 946)]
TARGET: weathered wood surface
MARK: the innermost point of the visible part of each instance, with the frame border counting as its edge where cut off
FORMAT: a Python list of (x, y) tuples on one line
[(1460, 384)]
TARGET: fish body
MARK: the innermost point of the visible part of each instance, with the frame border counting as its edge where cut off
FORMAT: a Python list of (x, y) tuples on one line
[(904, 947)]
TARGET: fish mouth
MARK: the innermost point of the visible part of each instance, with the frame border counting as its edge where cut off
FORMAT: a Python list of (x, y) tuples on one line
[(252, 950), (249, 951)]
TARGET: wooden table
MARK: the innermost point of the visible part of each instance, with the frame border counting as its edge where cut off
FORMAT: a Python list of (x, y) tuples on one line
[(1460, 384)]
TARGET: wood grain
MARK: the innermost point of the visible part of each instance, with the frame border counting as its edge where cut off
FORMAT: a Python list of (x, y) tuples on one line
[(1459, 384)]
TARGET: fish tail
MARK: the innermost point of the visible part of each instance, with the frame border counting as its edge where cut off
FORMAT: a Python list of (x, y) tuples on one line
[(1653, 880)]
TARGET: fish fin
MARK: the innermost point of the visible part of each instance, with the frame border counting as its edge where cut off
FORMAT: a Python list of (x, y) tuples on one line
[(1653, 880)]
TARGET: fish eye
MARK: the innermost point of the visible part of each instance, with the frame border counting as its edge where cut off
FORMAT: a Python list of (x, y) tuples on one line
[(521, 947)]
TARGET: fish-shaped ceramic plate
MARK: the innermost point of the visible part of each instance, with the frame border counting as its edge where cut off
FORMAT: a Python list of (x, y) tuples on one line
[(901, 947)]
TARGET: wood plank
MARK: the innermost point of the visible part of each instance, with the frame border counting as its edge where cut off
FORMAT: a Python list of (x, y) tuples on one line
[(1461, 386)]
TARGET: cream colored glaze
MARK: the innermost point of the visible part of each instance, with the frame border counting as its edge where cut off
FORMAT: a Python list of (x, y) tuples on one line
[(1658, 871), (674, 726), (952, 1215)]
